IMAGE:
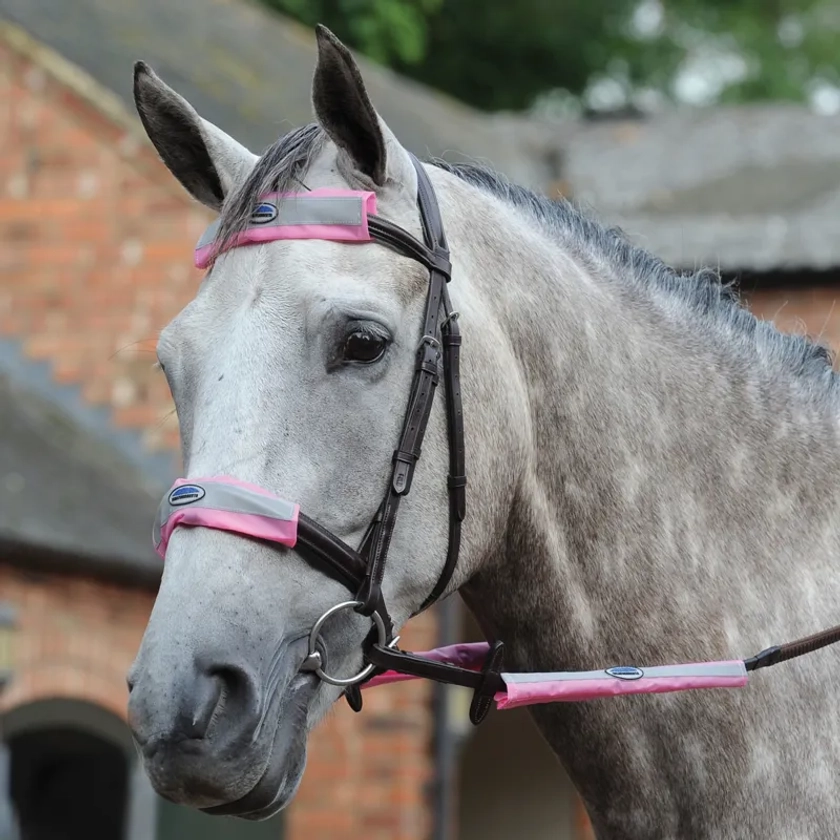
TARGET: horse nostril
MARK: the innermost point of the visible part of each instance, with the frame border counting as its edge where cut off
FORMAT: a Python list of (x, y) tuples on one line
[(209, 694), (206, 699), (219, 688), (234, 682)]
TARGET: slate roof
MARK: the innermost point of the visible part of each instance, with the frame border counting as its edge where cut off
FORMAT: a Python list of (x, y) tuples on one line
[(250, 72), (747, 188), (64, 494)]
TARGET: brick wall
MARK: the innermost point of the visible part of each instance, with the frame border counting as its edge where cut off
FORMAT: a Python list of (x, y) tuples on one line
[(74, 638), (96, 245)]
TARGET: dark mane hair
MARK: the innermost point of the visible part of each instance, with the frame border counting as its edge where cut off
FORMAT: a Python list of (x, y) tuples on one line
[(284, 164)]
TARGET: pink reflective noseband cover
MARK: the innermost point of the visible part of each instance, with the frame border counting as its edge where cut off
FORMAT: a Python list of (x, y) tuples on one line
[(338, 215), (227, 505)]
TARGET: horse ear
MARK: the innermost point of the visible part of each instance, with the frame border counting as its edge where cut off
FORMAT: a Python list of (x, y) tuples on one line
[(344, 110), (207, 162)]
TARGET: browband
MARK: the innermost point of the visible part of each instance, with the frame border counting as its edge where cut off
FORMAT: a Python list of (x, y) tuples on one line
[(339, 215)]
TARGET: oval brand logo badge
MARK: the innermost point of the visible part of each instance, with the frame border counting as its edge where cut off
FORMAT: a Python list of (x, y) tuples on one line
[(625, 672), (186, 494), (264, 213)]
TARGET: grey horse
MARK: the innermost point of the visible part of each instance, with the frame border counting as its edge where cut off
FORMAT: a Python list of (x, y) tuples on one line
[(652, 479)]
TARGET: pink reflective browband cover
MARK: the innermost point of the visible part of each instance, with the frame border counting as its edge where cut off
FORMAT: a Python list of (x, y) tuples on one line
[(567, 686), (339, 215), (227, 505)]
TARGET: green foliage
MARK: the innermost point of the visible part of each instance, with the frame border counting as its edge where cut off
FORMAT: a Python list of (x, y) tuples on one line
[(385, 30), (501, 54), (788, 45)]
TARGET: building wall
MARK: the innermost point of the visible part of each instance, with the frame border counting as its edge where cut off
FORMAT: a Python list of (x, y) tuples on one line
[(74, 638), (511, 785), (96, 244)]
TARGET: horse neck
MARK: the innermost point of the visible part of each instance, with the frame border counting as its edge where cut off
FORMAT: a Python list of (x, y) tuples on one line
[(672, 496)]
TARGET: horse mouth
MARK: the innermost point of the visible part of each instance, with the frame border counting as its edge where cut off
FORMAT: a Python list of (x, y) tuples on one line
[(286, 762)]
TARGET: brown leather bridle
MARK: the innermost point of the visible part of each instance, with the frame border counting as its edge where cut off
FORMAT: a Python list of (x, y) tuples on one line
[(362, 570)]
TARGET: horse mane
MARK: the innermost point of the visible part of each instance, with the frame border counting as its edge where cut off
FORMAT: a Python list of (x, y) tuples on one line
[(702, 293), (715, 305)]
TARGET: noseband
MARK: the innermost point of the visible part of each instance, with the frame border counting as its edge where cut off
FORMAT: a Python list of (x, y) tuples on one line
[(231, 505)]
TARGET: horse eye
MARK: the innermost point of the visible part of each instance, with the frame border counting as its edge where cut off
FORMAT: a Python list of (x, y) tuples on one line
[(363, 346)]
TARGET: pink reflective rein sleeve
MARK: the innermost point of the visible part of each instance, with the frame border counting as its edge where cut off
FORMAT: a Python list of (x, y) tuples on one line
[(570, 686)]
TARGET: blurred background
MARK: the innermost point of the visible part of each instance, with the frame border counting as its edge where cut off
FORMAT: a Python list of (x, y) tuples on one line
[(707, 128)]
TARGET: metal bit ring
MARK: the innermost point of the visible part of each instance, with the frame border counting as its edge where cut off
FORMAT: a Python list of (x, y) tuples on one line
[(314, 662)]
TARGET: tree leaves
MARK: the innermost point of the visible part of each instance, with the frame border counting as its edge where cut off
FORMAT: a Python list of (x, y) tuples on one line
[(499, 54), (384, 30)]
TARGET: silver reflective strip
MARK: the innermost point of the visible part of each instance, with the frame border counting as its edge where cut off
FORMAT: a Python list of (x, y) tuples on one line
[(228, 498), (209, 235), (316, 210), (303, 210), (700, 669)]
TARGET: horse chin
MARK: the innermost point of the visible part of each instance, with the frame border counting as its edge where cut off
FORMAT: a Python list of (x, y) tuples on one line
[(278, 784), (272, 793)]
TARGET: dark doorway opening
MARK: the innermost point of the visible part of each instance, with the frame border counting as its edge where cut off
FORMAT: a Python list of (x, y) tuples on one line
[(68, 784)]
